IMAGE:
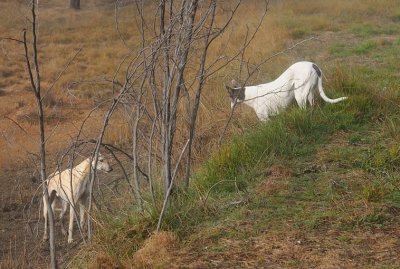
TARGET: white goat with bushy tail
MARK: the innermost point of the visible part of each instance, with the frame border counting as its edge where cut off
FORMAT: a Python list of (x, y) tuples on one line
[(298, 82)]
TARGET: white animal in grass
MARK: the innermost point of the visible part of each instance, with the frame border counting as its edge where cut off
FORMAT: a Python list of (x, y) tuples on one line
[(59, 188), (298, 82)]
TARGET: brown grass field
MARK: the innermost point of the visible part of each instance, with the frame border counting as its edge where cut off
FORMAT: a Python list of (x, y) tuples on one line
[(341, 31)]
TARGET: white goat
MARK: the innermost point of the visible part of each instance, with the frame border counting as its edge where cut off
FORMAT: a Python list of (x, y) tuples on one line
[(298, 82), (59, 187)]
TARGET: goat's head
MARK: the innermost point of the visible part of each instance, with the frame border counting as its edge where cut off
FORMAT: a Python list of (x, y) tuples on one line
[(236, 93), (102, 164)]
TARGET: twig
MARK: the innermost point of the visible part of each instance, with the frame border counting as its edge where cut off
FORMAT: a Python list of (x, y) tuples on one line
[(160, 218), (62, 72), (16, 123), (213, 186)]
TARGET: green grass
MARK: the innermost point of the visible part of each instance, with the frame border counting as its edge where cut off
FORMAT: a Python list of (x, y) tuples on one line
[(345, 50), (365, 48), (305, 25), (367, 30), (339, 49)]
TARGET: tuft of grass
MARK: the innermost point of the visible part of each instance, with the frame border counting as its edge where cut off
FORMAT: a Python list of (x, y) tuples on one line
[(392, 127), (156, 251), (339, 49), (365, 48), (103, 260), (374, 192), (382, 159)]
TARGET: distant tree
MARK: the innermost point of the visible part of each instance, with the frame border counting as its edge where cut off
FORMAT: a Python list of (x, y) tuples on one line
[(75, 4)]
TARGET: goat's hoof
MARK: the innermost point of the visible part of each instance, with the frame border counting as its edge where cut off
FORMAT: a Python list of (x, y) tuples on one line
[(45, 238), (70, 240)]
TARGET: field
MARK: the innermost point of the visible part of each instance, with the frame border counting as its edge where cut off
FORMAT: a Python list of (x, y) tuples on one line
[(314, 188)]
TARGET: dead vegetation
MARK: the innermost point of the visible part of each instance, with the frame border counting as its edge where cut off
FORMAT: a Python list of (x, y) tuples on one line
[(331, 249), (156, 251), (276, 179)]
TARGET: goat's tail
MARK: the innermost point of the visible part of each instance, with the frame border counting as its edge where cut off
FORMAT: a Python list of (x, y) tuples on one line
[(323, 95)]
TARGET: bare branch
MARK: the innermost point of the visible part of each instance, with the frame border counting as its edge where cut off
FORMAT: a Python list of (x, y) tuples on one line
[(62, 72), (16, 123), (169, 190)]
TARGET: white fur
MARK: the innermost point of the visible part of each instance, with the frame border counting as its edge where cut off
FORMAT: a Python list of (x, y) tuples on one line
[(298, 82), (59, 188)]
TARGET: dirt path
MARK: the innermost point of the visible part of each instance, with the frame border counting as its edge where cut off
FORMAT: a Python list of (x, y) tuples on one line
[(19, 219)]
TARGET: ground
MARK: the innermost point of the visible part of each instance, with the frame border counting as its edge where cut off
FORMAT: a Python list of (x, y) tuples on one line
[(331, 201)]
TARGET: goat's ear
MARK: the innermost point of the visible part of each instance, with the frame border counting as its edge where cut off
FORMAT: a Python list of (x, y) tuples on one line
[(235, 84), (229, 90)]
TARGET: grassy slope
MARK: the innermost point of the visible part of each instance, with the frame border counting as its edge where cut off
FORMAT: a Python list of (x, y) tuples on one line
[(316, 188), (309, 189)]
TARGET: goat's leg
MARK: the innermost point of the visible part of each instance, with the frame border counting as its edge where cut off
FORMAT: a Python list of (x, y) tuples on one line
[(82, 215), (301, 100), (72, 216), (310, 98), (53, 208), (82, 210), (305, 93), (45, 235), (45, 212), (262, 113), (64, 206)]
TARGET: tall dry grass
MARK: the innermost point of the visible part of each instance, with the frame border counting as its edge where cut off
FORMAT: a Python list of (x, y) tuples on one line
[(63, 31)]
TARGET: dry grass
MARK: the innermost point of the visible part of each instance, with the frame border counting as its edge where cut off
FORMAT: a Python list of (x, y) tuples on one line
[(18, 253), (104, 261), (277, 180), (156, 252), (301, 250), (334, 250)]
